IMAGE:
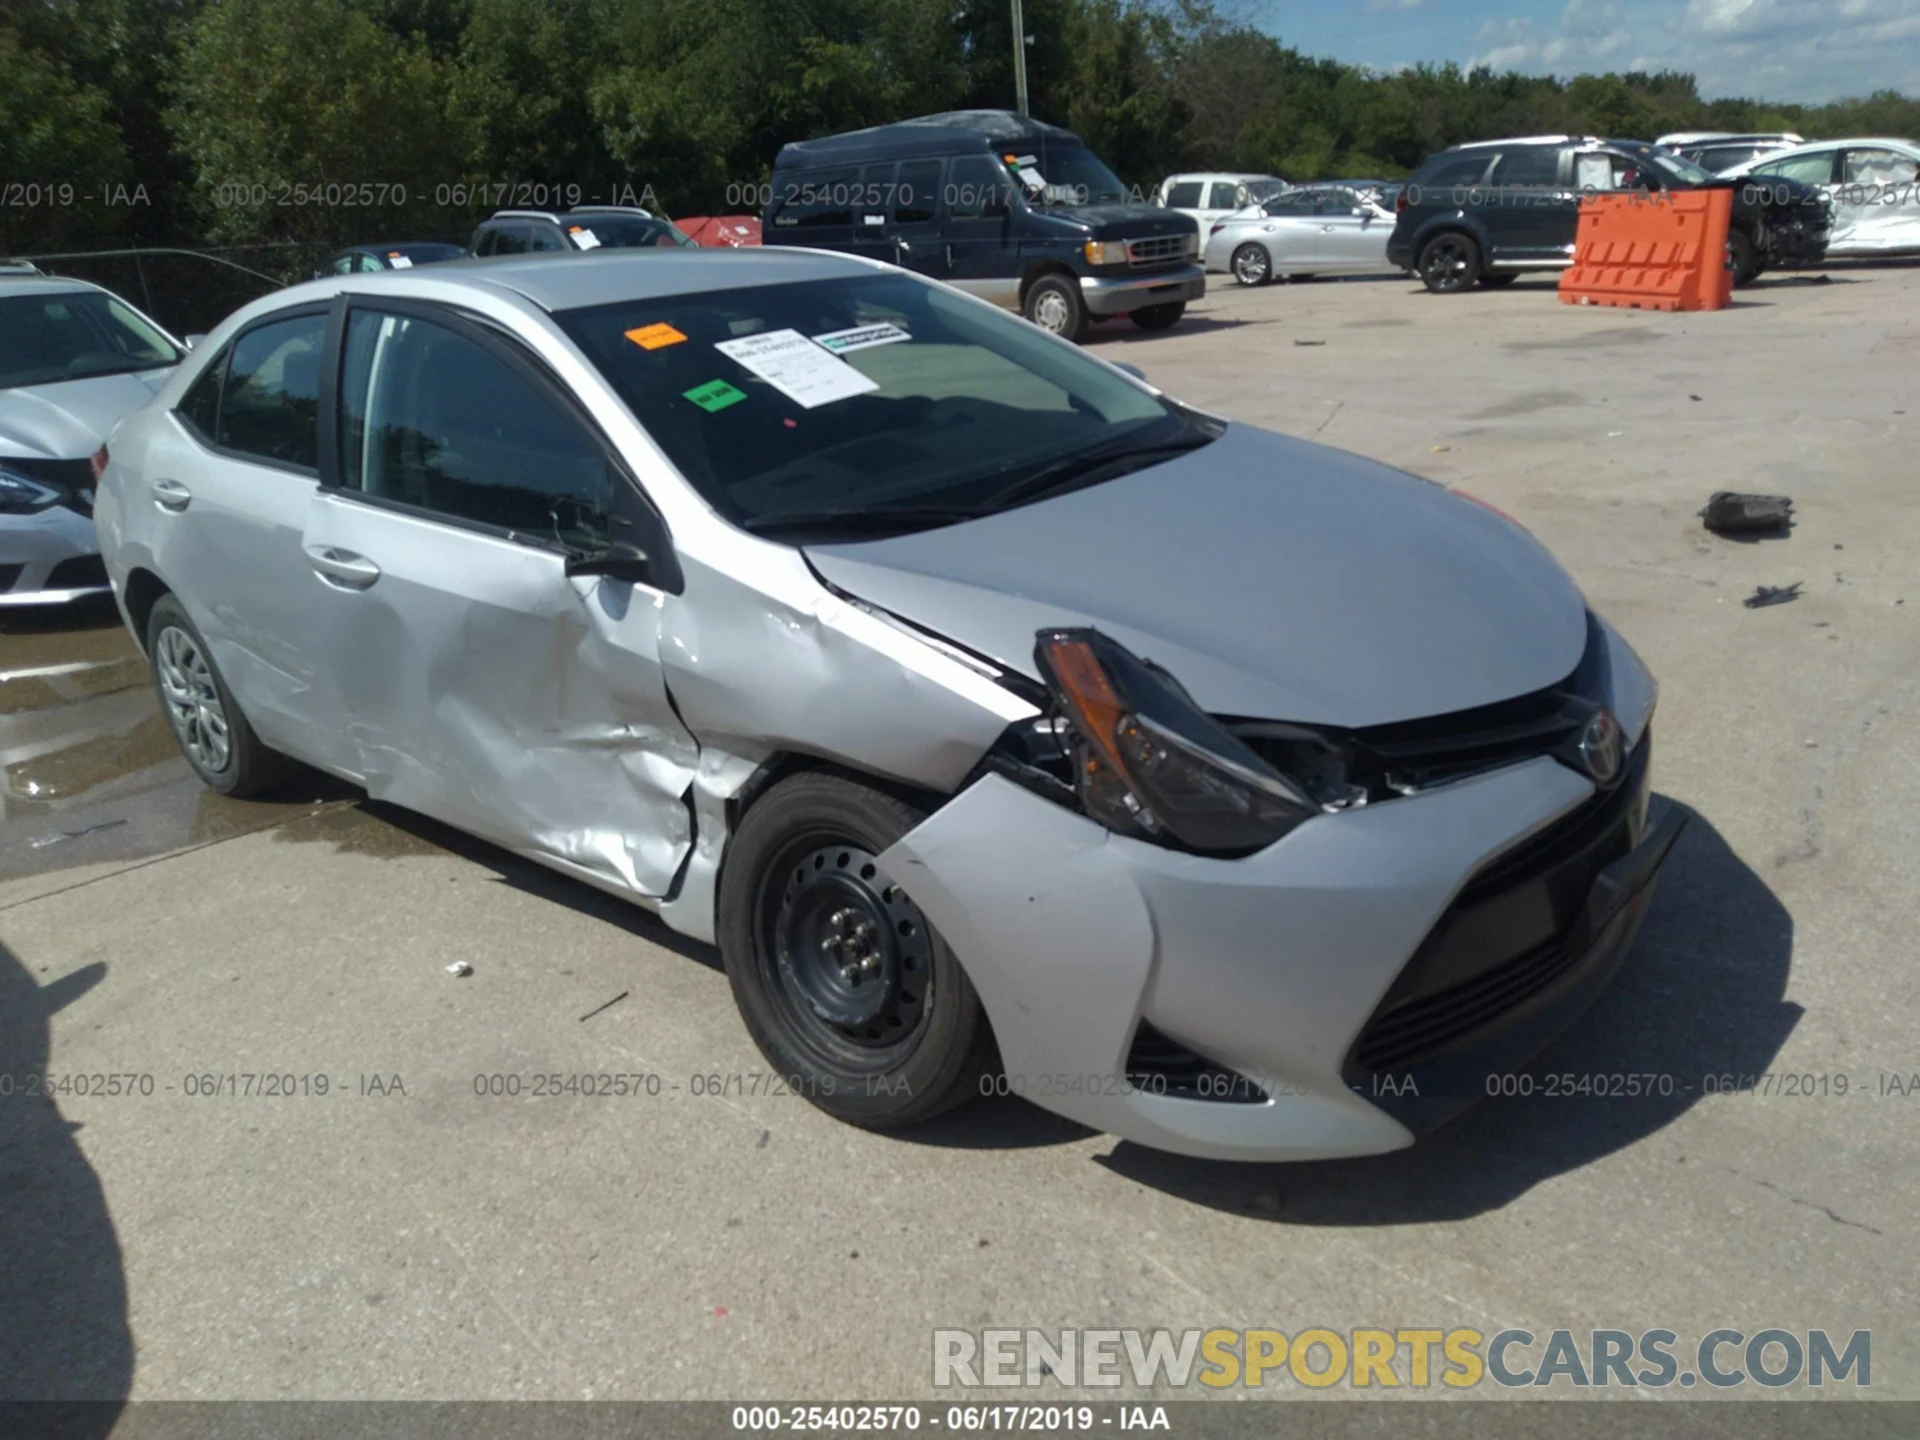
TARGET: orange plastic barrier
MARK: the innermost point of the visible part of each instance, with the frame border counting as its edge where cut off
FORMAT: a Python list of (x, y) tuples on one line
[(1663, 251)]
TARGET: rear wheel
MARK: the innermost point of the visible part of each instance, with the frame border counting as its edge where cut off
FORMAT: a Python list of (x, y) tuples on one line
[(1159, 317), (1053, 303), (214, 736), (1252, 265), (846, 988), (1450, 264)]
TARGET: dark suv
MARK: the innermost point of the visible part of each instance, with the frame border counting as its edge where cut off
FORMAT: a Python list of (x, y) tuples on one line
[(1483, 214), (1012, 210)]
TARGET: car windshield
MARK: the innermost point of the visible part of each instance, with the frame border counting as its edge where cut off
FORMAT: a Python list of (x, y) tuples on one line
[(73, 336), (1265, 189), (860, 404), (1070, 175), (625, 232)]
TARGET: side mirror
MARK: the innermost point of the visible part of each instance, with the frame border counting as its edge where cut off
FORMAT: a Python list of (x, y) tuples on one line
[(621, 560), (190, 341)]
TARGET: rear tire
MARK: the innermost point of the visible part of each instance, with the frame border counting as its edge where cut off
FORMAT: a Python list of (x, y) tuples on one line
[(1054, 303), (212, 733), (848, 991), (1251, 265), (1158, 317), (1450, 264)]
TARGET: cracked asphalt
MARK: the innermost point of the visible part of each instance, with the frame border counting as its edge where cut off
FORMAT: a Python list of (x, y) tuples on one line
[(387, 1228)]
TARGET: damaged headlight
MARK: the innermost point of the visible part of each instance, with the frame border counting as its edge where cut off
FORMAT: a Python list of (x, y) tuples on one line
[(1149, 762), (21, 496)]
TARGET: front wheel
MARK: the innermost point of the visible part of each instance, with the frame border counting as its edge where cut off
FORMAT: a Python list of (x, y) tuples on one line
[(1054, 304), (1450, 264), (852, 996), (1159, 317), (1743, 257), (1251, 264)]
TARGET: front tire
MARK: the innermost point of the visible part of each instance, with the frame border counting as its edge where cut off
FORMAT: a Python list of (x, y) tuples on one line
[(1743, 257), (846, 988), (1251, 265), (1450, 264), (1159, 317), (212, 733), (1054, 304)]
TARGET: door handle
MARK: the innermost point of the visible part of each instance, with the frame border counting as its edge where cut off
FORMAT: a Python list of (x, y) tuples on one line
[(342, 569), (171, 495)]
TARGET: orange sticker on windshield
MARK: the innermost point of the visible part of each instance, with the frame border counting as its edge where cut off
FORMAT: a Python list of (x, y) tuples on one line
[(654, 337)]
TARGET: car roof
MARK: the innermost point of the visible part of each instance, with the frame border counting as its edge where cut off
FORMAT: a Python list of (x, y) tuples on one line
[(949, 132), (577, 280), (15, 282), (1523, 140)]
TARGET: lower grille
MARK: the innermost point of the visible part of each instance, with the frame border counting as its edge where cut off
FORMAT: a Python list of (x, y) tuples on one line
[(1513, 930), (77, 573), (1161, 1065)]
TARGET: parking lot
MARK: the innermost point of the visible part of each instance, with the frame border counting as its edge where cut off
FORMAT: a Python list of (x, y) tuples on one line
[(385, 1228)]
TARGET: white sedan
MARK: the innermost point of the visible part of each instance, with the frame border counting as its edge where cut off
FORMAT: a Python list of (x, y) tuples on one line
[(1872, 185), (1314, 230)]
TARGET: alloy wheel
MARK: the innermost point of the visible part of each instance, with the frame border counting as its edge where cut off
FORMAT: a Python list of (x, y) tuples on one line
[(193, 700)]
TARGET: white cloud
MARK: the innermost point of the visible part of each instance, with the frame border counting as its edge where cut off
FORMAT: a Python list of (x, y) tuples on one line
[(1792, 50)]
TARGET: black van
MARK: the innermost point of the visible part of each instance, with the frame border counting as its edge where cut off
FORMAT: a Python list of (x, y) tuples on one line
[(1012, 210)]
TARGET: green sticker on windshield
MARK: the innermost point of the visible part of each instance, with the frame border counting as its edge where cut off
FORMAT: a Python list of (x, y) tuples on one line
[(714, 395)]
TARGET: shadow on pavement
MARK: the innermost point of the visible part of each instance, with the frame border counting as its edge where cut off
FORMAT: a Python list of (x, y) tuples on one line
[(63, 1292), (1702, 994)]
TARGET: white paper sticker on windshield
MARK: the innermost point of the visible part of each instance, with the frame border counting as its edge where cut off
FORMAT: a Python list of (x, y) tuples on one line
[(399, 262), (584, 238), (861, 337), (804, 372)]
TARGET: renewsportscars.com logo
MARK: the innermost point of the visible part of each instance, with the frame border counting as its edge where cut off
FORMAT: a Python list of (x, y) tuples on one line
[(1390, 1359)]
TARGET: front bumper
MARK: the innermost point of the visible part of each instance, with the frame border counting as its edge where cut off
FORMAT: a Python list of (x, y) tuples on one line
[(1118, 294), (49, 558), (1271, 967)]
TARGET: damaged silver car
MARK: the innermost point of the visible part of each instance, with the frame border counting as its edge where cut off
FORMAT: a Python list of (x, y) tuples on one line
[(1010, 726)]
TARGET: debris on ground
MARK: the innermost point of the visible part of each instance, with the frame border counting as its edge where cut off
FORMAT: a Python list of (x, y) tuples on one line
[(1309, 342), (608, 1006), (60, 837), (1772, 595), (1729, 513), (460, 969)]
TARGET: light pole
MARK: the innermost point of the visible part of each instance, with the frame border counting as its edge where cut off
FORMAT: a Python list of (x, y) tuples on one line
[(1019, 59)]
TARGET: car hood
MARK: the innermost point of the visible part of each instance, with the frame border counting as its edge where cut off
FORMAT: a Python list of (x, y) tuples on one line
[(69, 420), (1122, 222), (1274, 578)]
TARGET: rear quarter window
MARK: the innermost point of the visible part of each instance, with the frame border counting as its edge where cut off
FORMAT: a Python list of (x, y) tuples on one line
[(1185, 195), (1450, 170)]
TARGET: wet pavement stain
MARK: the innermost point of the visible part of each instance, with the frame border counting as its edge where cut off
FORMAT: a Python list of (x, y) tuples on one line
[(354, 830)]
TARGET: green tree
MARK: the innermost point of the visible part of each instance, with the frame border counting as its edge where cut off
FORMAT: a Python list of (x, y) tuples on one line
[(58, 144), (296, 113)]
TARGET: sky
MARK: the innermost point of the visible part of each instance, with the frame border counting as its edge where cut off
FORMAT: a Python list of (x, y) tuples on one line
[(1801, 51)]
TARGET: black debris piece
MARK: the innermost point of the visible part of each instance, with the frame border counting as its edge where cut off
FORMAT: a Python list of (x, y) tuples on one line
[(1728, 513), (1772, 595)]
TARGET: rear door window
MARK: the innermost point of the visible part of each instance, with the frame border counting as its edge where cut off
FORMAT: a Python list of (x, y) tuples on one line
[(1221, 195), (1878, 167), (1452, 170), (1185, 195), (1814, 169), (1532, 167), (270, 404)]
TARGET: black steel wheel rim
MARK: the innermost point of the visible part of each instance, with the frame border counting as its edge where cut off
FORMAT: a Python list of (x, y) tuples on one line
[(845, 954)]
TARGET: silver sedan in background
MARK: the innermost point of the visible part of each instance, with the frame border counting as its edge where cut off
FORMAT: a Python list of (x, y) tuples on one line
[(1010, 726), (1312, 230)]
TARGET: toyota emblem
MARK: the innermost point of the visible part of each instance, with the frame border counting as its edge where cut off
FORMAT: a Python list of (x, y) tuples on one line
[(1600, 747)]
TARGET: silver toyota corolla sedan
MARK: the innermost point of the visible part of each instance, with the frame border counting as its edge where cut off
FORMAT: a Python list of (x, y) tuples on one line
[(1010, 726)]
